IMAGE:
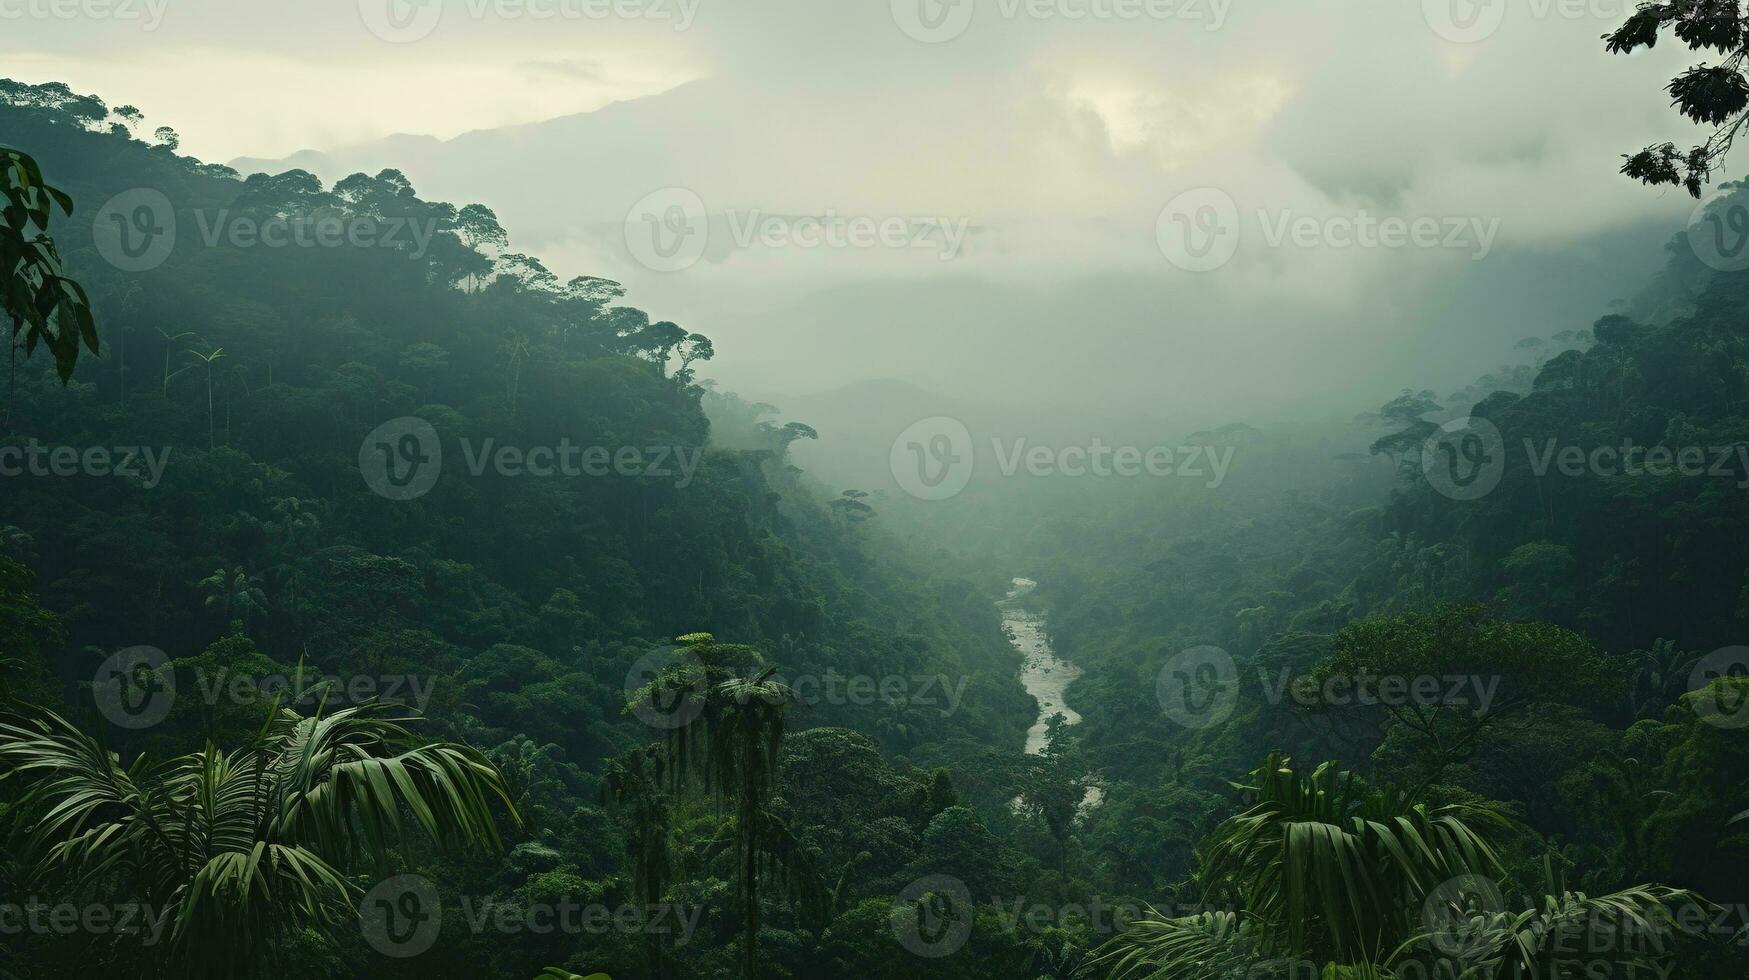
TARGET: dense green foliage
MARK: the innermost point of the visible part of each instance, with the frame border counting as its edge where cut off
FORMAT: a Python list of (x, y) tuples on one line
[(513, 609), (1594, 597), (1710, 95), (543, 724)]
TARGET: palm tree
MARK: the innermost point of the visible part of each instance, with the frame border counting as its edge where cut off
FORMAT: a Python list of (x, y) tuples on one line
[(1660, 678), (205, 361), (1331, 872), (15, 541), (169, 340), (231, 589), (242, 850), (730, 751), (895, 723), (299, 519), (129, 302), (1533, 942), (518, 349), (632, 786)]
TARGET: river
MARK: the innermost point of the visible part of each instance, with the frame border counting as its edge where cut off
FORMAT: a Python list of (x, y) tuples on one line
[(1044, 675), (1041, 673)]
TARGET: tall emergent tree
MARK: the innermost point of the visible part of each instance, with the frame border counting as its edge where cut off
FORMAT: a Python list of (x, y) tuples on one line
[(728, 748)]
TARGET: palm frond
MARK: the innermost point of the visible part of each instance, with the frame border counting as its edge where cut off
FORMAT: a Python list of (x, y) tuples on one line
[(242, 848)]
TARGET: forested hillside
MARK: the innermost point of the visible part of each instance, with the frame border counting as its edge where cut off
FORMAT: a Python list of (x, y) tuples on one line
[(511, 608), (378, 604), (1600, 582)]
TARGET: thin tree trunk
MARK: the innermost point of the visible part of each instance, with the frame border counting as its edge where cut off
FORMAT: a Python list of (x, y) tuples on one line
[(11, 373)]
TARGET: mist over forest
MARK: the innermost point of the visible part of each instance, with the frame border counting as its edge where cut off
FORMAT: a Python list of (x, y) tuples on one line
[(1131, 489)]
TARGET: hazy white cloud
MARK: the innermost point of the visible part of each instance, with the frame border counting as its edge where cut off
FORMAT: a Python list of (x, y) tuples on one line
[(1055, 141)]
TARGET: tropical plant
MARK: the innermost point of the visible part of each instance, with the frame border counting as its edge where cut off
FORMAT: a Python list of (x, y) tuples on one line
[(1350, 879), (44, 306), (1326, 854), (729, 750), (632, 786), (205, 362), (169, 339), (233, 590), (1634, 923), (1660, 677), (242, 850)]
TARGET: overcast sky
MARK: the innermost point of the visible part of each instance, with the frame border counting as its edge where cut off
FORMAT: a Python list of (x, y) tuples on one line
[(1062, 135)]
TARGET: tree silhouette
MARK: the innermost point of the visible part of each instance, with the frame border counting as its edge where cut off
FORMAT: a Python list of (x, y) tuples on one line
[(232, 590), (1710, 95), (44, 306), (729, 750)]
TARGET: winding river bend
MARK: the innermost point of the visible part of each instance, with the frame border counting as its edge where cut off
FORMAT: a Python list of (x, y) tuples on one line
[(1043, 675)]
